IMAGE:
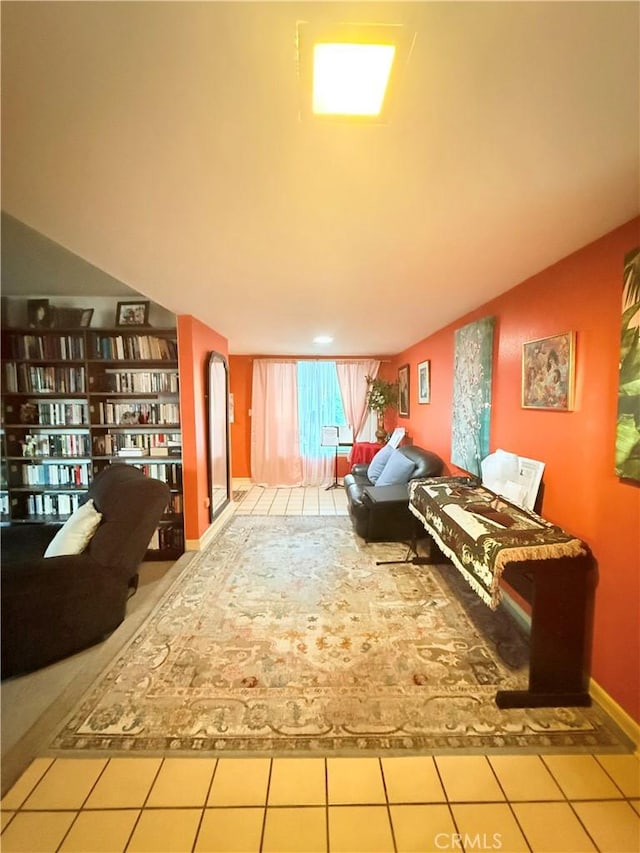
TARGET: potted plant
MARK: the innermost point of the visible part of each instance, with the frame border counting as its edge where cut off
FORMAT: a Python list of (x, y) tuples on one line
[(380, 396)]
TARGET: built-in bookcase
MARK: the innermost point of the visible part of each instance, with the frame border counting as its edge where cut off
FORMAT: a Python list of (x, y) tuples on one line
[(76, 401)]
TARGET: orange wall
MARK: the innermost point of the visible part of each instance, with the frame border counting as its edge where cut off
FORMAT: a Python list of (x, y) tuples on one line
[(195, 342), (240, 374), (583, 292)]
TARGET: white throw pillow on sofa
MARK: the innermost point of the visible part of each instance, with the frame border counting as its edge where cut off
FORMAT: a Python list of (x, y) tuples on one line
[(75, 534)]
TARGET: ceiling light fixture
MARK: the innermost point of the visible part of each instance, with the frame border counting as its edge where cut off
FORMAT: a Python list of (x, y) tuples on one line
[(323, 339), (350, 72), (351, 79)]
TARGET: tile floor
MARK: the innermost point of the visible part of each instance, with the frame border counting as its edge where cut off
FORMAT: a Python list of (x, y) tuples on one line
[(551, 803), (304, 501), (539, 803)]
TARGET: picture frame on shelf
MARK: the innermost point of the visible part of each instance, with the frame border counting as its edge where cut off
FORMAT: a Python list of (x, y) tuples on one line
[(39, 314), (71, 318), (403, 391), (85, 318), (548, 373), (424, 382), (132, 313)]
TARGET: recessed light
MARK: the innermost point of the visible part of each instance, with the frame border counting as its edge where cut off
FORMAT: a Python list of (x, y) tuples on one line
[(351, 79), (323, 339), (350, 72)]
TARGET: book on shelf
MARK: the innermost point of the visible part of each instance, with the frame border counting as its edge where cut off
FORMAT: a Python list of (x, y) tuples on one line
[(133, 451)]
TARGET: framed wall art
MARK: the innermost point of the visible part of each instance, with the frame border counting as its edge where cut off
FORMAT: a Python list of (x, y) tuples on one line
[(548, 373), (471, 412), (424, 382), (628, 422), (132, 314), (403, 391), (39, 314)]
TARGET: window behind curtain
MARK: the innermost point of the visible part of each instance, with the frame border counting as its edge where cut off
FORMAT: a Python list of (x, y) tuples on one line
[(319, 405)]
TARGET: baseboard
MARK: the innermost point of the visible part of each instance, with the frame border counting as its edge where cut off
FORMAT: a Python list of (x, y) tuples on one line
[(617, 713), (241, 483), (212, 531)]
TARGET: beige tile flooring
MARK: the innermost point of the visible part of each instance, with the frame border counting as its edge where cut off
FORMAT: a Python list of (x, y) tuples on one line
[(541, 803), (304, 501), (551, 803)]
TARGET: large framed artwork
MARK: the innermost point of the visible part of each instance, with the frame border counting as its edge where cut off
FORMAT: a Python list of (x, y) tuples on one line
[(403, 391), (471, 416), (628, 424), (548, 368)]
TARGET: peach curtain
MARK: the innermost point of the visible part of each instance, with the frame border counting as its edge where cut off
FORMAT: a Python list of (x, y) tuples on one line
[(353, 388), (275, 451)]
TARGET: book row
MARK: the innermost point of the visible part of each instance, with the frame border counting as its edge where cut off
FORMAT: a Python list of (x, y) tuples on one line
[(167, 539), (140, 382), (71, 445), (44, 413), (132, 412), (54, 505), (170, 473), (35, 379), (55, 475), (133, 347), (47, 346), (112, 443)]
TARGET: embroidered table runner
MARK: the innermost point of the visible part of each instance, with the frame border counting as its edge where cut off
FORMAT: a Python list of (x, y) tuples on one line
[(481, 532)]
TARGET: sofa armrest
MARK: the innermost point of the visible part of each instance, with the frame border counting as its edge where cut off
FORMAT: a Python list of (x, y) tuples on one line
[(360, 469), (21, 542)]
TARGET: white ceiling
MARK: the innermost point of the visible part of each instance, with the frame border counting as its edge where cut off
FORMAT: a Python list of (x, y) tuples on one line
[(162, 143)]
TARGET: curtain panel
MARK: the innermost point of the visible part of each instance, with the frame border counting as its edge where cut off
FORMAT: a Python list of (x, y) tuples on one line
[(275, 439), (352, 376)]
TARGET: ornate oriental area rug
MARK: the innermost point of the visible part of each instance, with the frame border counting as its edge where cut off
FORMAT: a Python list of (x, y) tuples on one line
[(285, 636)]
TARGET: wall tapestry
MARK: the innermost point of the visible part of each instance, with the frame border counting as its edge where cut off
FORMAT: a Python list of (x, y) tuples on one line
[(471, 415), (628, 428)]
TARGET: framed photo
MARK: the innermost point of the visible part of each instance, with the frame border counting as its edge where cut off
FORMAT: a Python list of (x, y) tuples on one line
[(403, 391), (424, 382), (548, 373), (85, 317), (39, 314), (132, 314), (71, 318)]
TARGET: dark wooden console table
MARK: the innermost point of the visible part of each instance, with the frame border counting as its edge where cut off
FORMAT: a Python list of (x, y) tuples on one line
[(484, 536)]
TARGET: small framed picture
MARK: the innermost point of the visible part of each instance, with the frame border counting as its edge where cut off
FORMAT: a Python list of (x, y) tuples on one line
[(403, 391), (85, 317), (424, 382), (548, 373), (39, 314), (132, 314)]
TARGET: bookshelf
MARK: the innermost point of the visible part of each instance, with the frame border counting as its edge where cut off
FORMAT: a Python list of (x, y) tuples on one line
[(73, 402)]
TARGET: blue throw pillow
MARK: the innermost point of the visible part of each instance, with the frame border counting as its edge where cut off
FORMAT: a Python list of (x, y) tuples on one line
[(376, 466), (397, 470)]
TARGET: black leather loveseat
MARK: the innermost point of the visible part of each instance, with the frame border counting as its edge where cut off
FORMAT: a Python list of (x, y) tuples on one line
[(381, 512), (55, 606)]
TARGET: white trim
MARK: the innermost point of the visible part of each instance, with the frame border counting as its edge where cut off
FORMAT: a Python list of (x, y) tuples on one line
[(616, 712), (241, 483), (212, 531)]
